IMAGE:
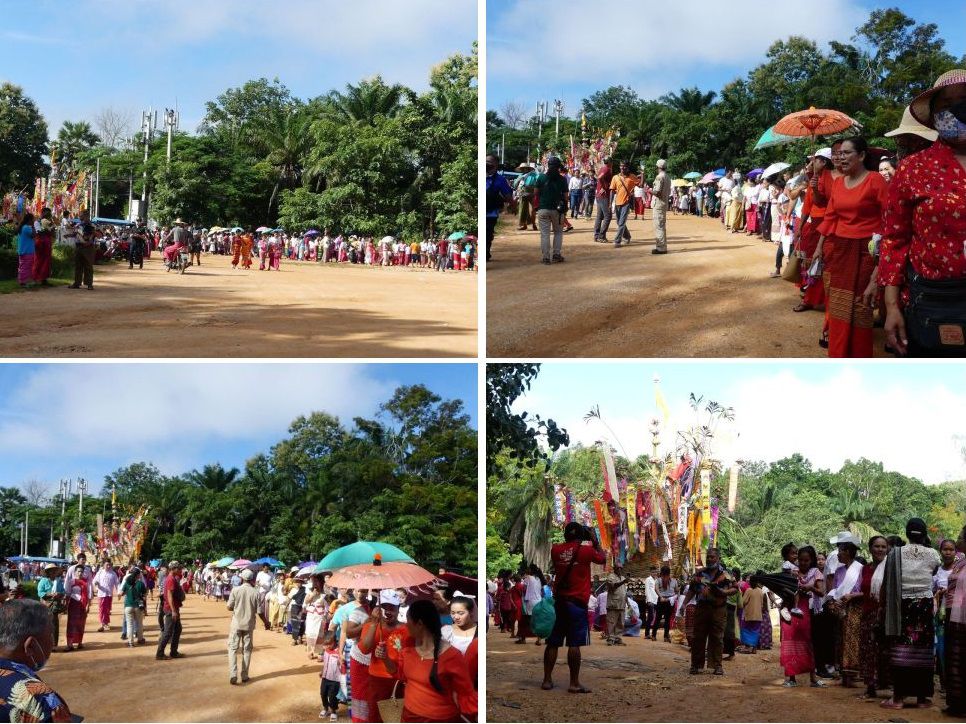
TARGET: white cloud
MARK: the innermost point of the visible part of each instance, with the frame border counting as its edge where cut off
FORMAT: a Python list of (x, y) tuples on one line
[(170, 413), (913, 425), (642, 45)]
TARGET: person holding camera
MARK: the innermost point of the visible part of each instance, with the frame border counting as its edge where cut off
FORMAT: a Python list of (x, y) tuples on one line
[(710, 586), (622, 194), (571, 562), (552, 206)]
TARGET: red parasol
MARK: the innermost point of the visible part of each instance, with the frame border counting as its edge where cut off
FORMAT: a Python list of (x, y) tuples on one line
[(814, 122), (376, 576), (463, 584)]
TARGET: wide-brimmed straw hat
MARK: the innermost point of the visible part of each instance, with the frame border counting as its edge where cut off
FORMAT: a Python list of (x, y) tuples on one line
[(920, 106), (909, 125)]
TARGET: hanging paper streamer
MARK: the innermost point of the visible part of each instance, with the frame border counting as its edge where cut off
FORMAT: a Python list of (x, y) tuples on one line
[(569, 511), (660, 401), (559, 505), (668, 553), (602, 525), (683, 519), (631, 503), (733, 489), (706, 498), (611, 476), (714, 525)]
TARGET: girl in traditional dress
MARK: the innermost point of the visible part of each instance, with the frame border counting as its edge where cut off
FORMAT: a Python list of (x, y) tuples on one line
[(26, 247), (846, 606), (43, 247), (796, 633), (262, 253), (940, 581), (342, 250), (78, 588)]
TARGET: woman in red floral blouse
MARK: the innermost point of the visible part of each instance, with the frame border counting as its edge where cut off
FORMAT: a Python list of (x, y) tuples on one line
[(923, 254)]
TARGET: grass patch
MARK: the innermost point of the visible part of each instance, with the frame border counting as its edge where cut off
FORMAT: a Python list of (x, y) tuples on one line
[(8, 286)]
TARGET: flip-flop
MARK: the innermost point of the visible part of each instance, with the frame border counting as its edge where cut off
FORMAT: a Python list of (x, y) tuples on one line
[(580, 690)]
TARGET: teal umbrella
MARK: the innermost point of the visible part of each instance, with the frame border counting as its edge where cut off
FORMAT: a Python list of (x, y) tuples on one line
[(222, 562), (770, 138), (456, 236), (692, 175), (361, 552)]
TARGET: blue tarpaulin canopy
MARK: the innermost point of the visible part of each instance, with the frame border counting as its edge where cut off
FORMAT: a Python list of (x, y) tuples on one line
[(36, 559), (111, 222)]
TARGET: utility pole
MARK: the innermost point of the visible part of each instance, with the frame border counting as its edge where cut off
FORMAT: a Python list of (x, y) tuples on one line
[(65, 489), (81, 489), (26, 532), (130, 194), (541, 118), (502, 148), (147, 131), (171, 122), (97, 189), (558, 106)]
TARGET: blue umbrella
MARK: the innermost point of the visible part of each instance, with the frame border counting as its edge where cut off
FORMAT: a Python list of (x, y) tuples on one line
[(771, 138)]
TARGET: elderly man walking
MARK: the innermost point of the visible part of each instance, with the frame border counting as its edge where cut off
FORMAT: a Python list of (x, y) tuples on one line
[(243, 602), (661, 192)]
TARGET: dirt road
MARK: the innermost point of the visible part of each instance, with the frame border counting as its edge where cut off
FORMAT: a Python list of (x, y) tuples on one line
[(305, 310), (710, 296), (107, 681), (648, 681)]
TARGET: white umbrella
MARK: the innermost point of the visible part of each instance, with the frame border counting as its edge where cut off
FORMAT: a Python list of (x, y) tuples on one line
[(387, 240), (775, 168)]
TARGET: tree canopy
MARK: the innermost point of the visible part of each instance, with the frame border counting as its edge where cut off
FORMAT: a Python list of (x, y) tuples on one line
[(890, 60), (407, 477), (23, 138)]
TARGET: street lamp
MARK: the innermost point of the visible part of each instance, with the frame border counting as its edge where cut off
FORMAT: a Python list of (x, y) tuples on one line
[(65, 490), (558, 106)]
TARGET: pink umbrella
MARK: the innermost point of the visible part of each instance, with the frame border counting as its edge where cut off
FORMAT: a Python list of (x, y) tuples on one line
[(240, 563), (381, 576), (708, 178)]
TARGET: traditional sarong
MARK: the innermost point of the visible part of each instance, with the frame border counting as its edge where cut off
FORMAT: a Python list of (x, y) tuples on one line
[(359, 693), (955, 666), (104, 610), (25, 269), (874, 655), (689, 623), (849, 266), (43, 252), (76, 619), (912, 659), (796, 642), (765, 641), (751, 218), (814, 287), (751, 633), (849, 639), (380, 688)]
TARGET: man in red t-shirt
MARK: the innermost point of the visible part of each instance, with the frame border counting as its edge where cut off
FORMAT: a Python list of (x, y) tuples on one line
[(602, 222), (172, 596), (571, 565)]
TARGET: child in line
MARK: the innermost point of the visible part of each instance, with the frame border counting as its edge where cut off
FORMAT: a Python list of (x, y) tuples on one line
[(331, 669), (789, 565)]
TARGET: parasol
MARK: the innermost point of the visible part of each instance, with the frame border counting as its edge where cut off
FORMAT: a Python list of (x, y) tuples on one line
[(361, 552), (236, 229), (775, 168), (754, 173), (262, 229), (216, 229), (463, 584), (240, 563), (222, 562), (692, 175), (380, 577), (709, 177), (387, 240), (307, 570), (769, 138), (311, 232), (679, 182), (814, 122), (784, 584), (456, 236), (269, 561)]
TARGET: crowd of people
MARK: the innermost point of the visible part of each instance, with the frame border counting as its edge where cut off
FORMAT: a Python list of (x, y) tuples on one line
[(182, 245), (887, 614), (869, 236), (365, 642)]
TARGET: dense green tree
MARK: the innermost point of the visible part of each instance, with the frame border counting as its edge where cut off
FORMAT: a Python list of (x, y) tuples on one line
[(73, 138), (23, 138)]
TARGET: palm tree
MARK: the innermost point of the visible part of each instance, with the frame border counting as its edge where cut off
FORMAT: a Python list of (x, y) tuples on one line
[(282, 137), (73, 138), (362, 103), (213, 477), (690, 100)]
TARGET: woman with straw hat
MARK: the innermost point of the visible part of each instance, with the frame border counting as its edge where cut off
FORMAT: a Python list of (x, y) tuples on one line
[(923, 255)]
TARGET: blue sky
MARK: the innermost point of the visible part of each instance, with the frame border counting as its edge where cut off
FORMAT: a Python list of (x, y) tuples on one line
[(907, 416), (74, 58), (682, 45), (86, 420)]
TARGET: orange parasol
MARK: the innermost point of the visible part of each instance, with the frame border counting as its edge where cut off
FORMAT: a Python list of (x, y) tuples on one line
[(814, 122), (379, 576)]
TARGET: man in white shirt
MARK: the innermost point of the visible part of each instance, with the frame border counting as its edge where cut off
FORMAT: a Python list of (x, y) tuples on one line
[(263, 584), (105, 585), (650, 604)]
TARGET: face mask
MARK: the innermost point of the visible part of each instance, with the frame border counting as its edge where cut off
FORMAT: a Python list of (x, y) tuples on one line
[(950, 127), (43, 659)]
